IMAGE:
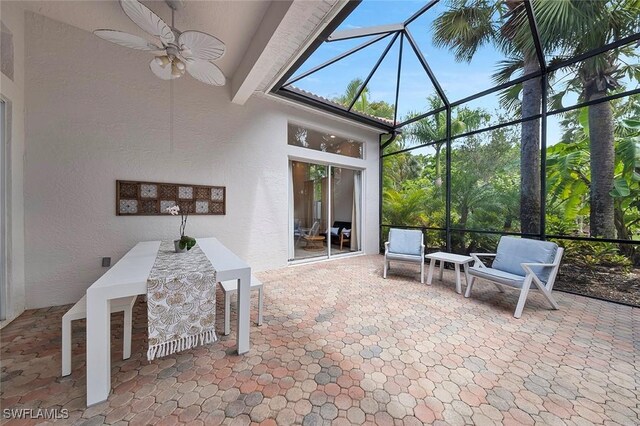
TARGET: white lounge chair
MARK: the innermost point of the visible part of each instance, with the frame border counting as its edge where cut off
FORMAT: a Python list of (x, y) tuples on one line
[(518, 263), (404, 245)]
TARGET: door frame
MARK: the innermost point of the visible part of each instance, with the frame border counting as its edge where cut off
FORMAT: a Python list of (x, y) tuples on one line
[(327, 209), (5, 205)]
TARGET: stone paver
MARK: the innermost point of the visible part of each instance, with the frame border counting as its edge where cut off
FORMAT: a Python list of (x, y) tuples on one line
[(340, 344)]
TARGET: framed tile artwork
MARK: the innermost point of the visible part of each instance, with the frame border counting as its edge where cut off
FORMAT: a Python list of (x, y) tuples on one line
[(153, 198)]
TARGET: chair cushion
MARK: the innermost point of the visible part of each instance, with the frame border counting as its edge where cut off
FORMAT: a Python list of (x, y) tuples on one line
[(404, 257), (405, 241), (498, 276), (514, 251)]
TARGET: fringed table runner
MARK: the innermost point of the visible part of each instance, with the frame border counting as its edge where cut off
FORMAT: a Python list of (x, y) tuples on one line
[(181, 301)]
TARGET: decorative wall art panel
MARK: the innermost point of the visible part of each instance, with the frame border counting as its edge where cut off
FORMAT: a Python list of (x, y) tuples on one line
[(153, 199)]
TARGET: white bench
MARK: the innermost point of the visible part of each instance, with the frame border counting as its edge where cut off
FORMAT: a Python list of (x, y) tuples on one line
[(79, 311), (231, 287)]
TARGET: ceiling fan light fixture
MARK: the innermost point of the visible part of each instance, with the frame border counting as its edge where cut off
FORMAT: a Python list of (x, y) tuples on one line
[(179, 64), (185, 51), (163, 61), (175, 71)]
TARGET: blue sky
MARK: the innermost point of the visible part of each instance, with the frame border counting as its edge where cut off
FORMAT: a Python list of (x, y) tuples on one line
[(458, 79)]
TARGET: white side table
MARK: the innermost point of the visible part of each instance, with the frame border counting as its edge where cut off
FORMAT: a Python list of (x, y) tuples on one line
[(456, 259)]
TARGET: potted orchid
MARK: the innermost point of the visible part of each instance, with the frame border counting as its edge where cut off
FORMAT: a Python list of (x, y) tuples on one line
[(185, 242)]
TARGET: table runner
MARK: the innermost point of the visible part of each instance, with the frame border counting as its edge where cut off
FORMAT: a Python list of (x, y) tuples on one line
[(181, 301)]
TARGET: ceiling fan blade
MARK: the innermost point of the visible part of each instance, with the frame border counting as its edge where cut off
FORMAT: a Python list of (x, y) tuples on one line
[(143, 17), (161, 72), (127, 40), (205, 72), (199, 45)]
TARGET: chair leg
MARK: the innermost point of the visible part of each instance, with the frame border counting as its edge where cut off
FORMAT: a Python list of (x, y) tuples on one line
[(524, 292), (469, 287), (260, 296), (386, 266), (126, 338), (499, 287), (547, 294), (66, 346), (227, 313), (422, 271)]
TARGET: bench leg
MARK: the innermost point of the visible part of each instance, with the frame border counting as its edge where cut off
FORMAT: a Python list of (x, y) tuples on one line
[(66, 346), (260, 295), (227, 313), (126, 338)]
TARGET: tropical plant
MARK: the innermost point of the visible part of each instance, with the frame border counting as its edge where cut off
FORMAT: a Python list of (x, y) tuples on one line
[(434, 128), (582, 26), (567, 28), (467, 26)]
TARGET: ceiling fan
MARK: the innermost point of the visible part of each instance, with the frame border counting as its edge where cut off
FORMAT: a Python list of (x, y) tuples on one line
[(177, 52)]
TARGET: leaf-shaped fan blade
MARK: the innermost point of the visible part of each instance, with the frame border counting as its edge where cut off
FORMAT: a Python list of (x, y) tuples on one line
[(199, 45), (205, 71), (161, 72), (147, 20), (127, 40)]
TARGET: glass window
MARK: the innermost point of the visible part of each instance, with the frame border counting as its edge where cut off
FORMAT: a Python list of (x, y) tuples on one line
[(485, 182), (571, 28), (324, 141), (464, 67), (593, 184), (414, 190), (614, 71), (599, 269)]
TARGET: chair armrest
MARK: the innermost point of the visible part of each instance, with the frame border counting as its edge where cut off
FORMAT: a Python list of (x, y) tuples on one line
[(386, 247), (479, 263), (527, 266)]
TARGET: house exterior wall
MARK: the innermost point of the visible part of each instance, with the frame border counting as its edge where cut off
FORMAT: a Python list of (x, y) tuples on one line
[(96, 114), (13, 93)]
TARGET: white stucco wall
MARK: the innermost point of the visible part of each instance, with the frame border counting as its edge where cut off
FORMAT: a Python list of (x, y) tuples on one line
[(13, 92), (96, 114)]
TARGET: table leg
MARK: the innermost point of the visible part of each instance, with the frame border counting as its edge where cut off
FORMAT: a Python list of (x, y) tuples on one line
[(432, 264), (466, 273), (441, 269), (244, 298), (98, 348), (458, 283)]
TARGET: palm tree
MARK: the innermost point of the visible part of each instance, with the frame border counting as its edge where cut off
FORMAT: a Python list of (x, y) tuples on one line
[(592, 24), (465, 27), (434, 127), (567, 27), (363, 104)]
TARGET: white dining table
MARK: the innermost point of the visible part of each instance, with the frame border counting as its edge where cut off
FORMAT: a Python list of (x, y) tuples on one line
[(128, 277)]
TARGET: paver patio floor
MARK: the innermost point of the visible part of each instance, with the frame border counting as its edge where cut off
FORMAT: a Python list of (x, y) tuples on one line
[(340, 344)]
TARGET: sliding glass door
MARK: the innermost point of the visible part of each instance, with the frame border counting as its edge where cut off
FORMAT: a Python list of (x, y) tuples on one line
[(325, 210)]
